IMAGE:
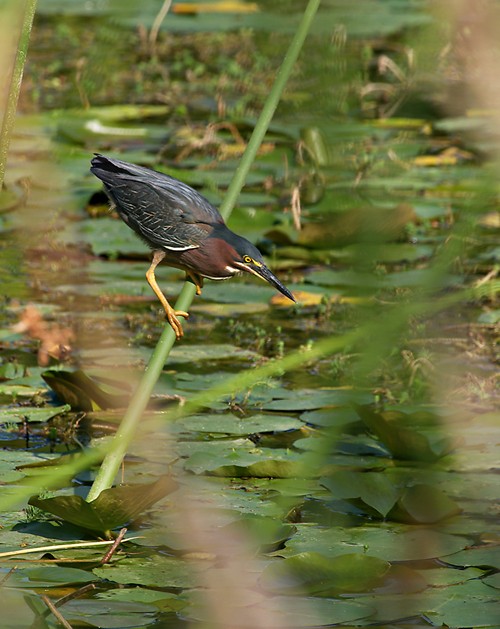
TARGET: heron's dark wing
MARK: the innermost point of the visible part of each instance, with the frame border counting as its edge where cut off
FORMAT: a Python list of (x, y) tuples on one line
[(165, 212)]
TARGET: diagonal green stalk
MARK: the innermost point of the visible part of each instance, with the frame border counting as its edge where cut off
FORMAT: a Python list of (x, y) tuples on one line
[(374, 327), (124, 435), (26, 14)]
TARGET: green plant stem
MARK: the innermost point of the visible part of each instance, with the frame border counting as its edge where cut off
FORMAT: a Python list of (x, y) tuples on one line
[(124, 435), (373, 327), (268, 110), (27, 11)]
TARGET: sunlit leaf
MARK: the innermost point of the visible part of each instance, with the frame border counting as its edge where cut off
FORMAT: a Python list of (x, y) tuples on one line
[(109, 613), (391, 542), (31, 413), (47, 576), (232, 425), (157, 571), (224, 6)]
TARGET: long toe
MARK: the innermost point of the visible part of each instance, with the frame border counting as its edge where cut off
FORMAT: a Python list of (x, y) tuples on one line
[(175, 325), (181, 313)]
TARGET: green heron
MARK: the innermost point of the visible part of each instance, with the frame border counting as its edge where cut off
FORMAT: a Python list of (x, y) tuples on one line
[(181, 227)]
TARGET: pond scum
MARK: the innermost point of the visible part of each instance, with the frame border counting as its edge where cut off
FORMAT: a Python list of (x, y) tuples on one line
[(327, 463)]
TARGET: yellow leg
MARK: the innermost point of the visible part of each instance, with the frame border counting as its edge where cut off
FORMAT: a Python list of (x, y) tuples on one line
[(197, 281), (169, 311)]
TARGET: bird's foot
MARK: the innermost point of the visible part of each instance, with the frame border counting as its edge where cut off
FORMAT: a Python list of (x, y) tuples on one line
[(175, 324)]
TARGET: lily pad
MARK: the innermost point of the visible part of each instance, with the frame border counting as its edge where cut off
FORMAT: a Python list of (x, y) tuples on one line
[(232, 425), (423, 504), (310, 399), (47, 577), (314, 574), (112, 508), (405, 439), (82, 392), (109, 613), (487, 556), (266, 534), (293, 612), (157, 571), (331, 417), (31, 413), (251, 462), (374, 489), (195, 353), (388, 542), (165, 601)]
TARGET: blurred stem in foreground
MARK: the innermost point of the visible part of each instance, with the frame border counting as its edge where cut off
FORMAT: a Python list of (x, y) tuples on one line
[(125, 433), (372, 328), (17, 21)]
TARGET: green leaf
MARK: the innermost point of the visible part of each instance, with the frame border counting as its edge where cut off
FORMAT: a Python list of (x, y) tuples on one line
[(423, 504), (391, 542), (47, 576), (375, 489), (81, 392), (400, 435), (112, 508), (266, 534), (293, 612), (165, 601), (314, 574), (487, 556), (109, 614), (157, 571), (233, 425), (309, 399), (20, 414), (251, 462), (331, 417)]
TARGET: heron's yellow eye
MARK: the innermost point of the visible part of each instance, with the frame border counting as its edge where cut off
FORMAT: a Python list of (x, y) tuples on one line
[(247, 259)]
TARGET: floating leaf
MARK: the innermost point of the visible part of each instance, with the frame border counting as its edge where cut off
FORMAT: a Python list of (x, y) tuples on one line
[(493, 581), (398, 432), (232, 425), (391, 542), (157, 571), (245, 461), (195, 353), (165, 601), (309, 399), (112, 508), (267, 534), (31, 413), (82, 392), (374, 489), (314, 574), (47, 576), (109, 614), (293, 612), (423, 504), (487, 556), (107, 236)]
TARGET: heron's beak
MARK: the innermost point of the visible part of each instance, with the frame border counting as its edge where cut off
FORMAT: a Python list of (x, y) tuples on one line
[(264, 273)]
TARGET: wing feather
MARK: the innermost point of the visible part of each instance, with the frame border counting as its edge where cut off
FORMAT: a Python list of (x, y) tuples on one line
[(165, 212)]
